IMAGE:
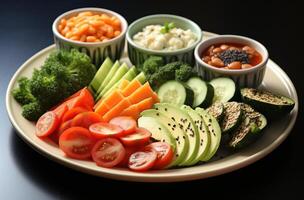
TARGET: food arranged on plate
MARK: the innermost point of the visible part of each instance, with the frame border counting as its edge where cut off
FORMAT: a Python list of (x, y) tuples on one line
[(155, 115)]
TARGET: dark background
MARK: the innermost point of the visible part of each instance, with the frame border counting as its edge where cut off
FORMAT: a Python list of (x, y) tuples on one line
[(25, 28)]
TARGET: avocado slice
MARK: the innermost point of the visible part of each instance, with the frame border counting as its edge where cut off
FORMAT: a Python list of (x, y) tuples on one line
[(185, 122), (182, 142), (204, 136), (214, 130), (158, 129)]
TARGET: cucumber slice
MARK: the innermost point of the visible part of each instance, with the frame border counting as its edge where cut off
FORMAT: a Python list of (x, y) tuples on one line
[(203, 92), (232, 116), (108, 77), (272, 105), (224, 89), (101, 74), (217, 111), (176, 93)]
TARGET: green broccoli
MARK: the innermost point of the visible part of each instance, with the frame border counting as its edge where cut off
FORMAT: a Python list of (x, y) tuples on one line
[(22, 94), (184, 73), (165, 73), (33, 111), (152, 64), (175, 70), (62, 74)]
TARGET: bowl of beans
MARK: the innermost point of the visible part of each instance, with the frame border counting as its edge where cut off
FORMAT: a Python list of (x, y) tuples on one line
[(98, 32), (240, 58)]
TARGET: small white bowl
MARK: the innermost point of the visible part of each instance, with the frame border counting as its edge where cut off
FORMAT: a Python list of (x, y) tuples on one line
[(97, 51), (251, 77)]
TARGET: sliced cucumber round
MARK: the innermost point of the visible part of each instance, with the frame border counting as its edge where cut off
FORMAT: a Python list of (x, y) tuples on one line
[(176, 93), (203, 92), (224, 89)]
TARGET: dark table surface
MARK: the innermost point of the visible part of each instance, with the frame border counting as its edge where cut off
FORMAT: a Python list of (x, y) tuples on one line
[(25, 28)]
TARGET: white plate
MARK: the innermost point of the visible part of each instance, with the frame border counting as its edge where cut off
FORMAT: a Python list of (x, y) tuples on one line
[(275, 80)]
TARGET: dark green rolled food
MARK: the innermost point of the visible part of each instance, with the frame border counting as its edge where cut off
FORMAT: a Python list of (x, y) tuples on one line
[(272, 105)]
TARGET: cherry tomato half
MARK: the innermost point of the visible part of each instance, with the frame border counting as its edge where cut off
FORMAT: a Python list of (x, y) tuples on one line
[(128, 124), (70, 114), (140, 137), (164, 154), (142, 160), (108, 152), (85, 119), (101, 130), (76, 142), (47, 124)]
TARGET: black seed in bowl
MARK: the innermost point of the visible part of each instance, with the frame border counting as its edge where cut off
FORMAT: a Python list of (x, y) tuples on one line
[(229, 56)]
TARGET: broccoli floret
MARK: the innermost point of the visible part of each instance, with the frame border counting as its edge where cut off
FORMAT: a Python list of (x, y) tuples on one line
[(152, 64), (165, 73), (22, 94), (183, 73), (47, 88), (62, 74), (33, 111), (175, 70)]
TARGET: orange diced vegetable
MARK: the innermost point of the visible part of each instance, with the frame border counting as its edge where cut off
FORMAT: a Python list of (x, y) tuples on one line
[(131, 111), (132, 87), (123, 84), (141, 93), (116, 110)]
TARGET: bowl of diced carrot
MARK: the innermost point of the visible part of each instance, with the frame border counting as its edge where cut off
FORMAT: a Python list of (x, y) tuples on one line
[(98, 32)]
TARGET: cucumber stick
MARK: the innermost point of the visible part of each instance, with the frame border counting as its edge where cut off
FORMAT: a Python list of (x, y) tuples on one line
[(176, 93), (123, 69), (111, 73), (101, 74), (130, 75)]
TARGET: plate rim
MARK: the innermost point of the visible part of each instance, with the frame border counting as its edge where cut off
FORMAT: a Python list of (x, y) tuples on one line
[(152, 177)]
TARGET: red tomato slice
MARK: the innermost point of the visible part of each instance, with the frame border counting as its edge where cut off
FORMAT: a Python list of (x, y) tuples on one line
[(129, 152), (164, 154), (101, 130), (61, 110), (86, 119), (128, 124), (47, 124), (63, 126), (70, 114), (108, 152), (140, 137), (142, 160), (76, 142), (84, 99)]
